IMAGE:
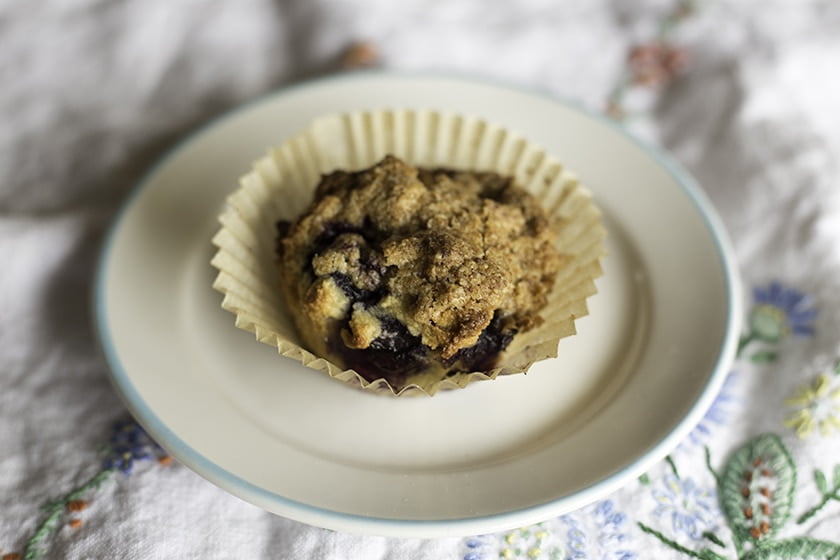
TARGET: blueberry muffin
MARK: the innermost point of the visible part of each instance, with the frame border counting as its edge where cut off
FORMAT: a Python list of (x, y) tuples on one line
[(396, 272)]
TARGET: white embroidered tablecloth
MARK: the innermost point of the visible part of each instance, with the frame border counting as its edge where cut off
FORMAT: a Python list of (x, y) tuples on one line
[(745, 94)]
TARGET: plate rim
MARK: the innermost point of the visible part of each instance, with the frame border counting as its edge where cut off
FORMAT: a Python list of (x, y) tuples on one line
[(381, 526)]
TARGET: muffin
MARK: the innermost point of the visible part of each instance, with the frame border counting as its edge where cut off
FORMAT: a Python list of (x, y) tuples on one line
[(465, 255), (396, 271)]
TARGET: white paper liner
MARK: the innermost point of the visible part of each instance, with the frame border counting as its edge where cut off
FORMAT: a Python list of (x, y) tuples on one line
[(280, 186)]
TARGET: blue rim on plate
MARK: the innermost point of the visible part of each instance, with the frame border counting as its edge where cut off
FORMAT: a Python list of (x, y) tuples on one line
[(147, 417)]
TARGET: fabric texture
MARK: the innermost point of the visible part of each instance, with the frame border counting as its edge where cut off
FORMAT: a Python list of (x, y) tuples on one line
[(744, 94)]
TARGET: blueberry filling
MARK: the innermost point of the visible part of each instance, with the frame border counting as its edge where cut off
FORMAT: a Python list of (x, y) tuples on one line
[(331, 232), (482, 355), (397, 354), (356, 294), (394, 355)]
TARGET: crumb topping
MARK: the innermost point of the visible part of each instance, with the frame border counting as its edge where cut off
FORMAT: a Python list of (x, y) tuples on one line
[(443, 252)]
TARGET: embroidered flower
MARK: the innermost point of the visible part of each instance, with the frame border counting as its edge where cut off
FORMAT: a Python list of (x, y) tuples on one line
[(649, 65), (529, 542), (614, 110), (597, 532), (475, 547), (690, 508), (534, 542), (817, 405), (594, 532), (652, 64), (757, 486), (360, 54), (129, 443), (718, 412), (655, 64), (780, 311)]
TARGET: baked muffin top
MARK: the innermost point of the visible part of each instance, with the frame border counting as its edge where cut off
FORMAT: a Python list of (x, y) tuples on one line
[(442, 253)]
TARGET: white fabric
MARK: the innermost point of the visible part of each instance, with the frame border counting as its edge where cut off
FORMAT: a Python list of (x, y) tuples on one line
[(93, 92)]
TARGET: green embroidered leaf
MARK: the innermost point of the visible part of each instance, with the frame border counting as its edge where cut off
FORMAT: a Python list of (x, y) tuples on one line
[(707, 554), (714, 538), (756, 489), (837, 476), (795, 549), (763, 357), (822, 483)]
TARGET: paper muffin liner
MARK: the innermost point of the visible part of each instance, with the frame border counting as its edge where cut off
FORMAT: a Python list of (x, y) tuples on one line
[(280, 186)]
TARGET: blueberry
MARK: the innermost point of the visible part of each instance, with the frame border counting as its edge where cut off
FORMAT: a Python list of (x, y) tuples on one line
[(394, 355), (356, 294), (331, 231), (482, 355)]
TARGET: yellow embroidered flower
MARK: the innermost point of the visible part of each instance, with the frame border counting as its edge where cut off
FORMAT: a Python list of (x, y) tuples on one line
[(527, 543), (818, 407)]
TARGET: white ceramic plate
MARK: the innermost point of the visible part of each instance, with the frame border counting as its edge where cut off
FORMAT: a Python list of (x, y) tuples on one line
[(644, 367)]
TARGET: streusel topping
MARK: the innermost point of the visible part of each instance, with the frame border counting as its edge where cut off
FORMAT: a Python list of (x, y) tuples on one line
[(441, 254)]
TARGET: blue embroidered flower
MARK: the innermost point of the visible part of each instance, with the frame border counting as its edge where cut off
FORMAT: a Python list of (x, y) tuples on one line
[(597, 532), (594, 532), (780, 311), (690, 508), (474, 548), (129, 443), (777, 312), (718, 413)]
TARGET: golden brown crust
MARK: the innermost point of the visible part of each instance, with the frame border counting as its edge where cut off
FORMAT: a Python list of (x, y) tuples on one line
[(443, 252)]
